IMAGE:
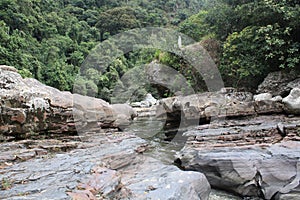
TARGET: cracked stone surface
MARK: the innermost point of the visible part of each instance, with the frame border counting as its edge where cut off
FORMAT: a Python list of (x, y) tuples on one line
[(257, 156), (104, 165)]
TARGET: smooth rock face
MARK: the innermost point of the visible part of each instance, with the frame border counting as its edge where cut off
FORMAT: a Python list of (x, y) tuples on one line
[(167, 183), (256, 157), (292, 102), (29, 107), (279, 83)]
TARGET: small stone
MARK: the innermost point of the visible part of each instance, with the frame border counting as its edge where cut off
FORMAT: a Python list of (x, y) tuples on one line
[(262, 97), (281, 129), (277, 99)]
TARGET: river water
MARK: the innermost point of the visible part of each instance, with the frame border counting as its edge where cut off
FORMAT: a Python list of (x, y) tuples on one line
[(164, 143)]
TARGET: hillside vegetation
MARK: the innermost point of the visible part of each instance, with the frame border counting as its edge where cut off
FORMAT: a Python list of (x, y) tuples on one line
[(49, 39)]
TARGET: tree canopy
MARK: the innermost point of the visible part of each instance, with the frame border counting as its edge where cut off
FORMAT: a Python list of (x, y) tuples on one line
[(50, 39)]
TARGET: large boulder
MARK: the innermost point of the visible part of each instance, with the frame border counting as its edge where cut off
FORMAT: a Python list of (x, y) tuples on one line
[(29, 107), (292, 102), (257, 157), (163, 77), (279, 83), (124, 114)]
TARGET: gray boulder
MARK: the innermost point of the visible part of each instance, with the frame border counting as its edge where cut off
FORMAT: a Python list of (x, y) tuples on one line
[(159, 181), (279, 83), (149, 98), (251, 157), (148, 101), (292, 102), (124, 114)]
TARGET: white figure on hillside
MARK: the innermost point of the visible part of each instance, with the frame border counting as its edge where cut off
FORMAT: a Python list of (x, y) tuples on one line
[(179, 42)]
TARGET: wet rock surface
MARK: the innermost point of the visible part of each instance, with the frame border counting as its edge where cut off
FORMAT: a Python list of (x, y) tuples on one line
[(256, 157)]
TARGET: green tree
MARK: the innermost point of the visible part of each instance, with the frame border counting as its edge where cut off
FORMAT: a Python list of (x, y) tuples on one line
[(116, 20), (195, 26)]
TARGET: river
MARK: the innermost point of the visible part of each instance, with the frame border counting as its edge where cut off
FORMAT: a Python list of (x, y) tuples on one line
[(164, 147)]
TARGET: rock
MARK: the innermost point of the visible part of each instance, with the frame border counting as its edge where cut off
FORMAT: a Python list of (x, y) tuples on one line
[(102, 181), (148, 102), (281, 129), (159, 181), (136, 104), (124, 114), (277, 98), (8, 68), (227, 90), (146, 112), (162, 77), (293, 84), (29, 107), (150, 99), (292, 101), (222, 104), (268, 107), (145, 104), (250, 157), (105, 167), (207, 105), (279, 83), (291, 196), (262, 97)]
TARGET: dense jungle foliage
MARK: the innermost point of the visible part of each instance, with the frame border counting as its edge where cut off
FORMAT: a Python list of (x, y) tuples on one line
[(50, 39)]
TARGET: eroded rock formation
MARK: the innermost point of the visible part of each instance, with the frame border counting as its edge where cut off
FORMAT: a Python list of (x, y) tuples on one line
[(257, 156), (29, 107)]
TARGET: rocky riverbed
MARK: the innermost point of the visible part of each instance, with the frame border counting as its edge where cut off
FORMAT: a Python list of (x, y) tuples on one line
[(58, 145), (106, 165), (119, 165)]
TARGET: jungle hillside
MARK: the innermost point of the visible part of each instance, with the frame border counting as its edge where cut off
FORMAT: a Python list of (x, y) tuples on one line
[(49, 39)]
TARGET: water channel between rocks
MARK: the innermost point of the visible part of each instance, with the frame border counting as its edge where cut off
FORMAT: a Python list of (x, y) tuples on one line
[(164, 147)]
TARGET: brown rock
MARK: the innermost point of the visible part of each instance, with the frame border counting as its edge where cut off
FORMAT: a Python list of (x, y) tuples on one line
[(29, 107)]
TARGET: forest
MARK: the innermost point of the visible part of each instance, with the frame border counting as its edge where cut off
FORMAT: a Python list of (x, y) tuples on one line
[(50, 39)]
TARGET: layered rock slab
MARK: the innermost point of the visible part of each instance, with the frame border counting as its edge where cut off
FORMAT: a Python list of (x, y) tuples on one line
[(29, 108), (106, 166), (256, 157), (223, 104)]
